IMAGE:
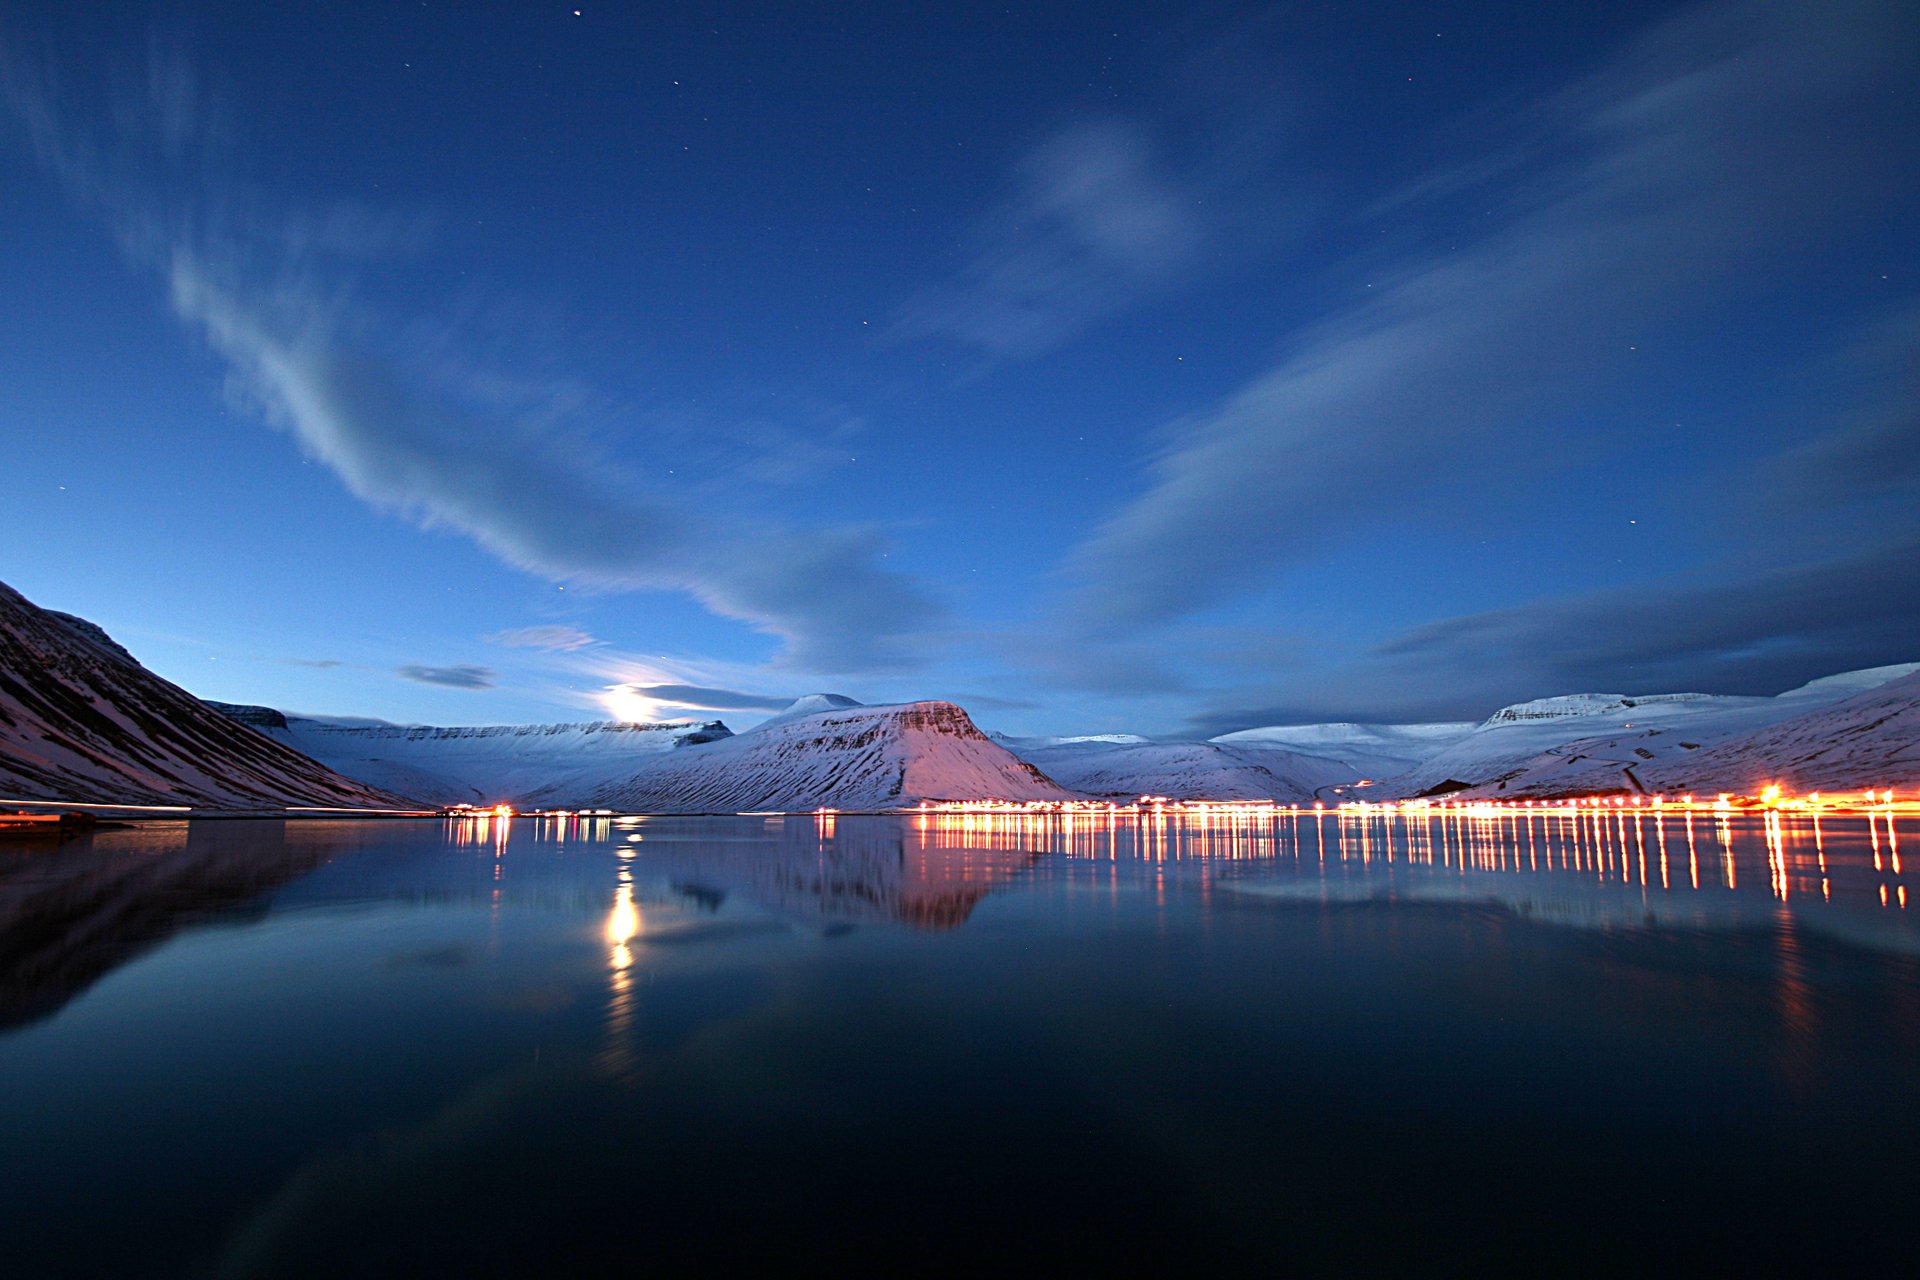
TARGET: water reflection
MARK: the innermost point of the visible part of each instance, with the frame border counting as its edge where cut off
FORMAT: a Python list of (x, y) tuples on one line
[(71, 914), (823, 868), (486, 1043), (1589, 867), (624, 924)]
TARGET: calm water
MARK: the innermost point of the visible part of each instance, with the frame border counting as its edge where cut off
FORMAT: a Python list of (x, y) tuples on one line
[(370, 1048)]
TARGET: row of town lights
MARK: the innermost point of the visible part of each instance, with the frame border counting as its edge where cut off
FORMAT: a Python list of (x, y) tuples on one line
[(1770, 798)]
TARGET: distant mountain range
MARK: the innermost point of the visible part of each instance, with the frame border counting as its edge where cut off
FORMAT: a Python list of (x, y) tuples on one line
[(563, 765), (1602, 743), (1216, 771), (81, 720)]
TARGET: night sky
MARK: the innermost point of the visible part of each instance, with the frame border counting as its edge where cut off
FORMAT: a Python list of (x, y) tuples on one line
[(1161, 368)]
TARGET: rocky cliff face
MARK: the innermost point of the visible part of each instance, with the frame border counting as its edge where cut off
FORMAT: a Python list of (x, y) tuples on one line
[(848, 758), (82, 721)]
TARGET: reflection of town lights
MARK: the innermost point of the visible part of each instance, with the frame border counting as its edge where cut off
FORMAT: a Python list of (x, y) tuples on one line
[(1773, 796)]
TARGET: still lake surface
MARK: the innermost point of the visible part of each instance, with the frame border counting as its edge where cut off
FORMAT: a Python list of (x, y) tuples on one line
[(949, 1043)]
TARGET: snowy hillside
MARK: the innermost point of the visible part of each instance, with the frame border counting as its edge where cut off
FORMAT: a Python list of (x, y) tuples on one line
[(1365, 750), (1585, 743), (1184, 770), (848, 758), (563, 764), (1872, 738), (81, 720)]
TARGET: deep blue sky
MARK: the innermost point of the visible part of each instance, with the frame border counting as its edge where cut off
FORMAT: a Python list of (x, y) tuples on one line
[(1109, 367)]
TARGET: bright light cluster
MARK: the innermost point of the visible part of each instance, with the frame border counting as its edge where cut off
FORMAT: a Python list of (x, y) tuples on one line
[(1874, 799)]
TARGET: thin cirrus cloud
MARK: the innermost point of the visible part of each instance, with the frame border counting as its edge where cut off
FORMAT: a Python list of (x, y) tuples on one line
[(552, 638), (1091, 222), (697, 698), (1114, 210), (1723, 139), (463, 676), (514, 468)]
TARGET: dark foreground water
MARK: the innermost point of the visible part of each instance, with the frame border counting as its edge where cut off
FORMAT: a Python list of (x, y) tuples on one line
[(920, 1045)]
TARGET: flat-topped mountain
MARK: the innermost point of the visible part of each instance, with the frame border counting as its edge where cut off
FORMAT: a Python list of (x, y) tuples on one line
[(82, 721), (845, 758)]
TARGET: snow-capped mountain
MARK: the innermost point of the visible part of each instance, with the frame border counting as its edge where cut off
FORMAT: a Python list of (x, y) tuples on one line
[(1183, 770), (1583, 743), (810, 705), (847, 758), (562, 764), (81, 720), (1370, 751)]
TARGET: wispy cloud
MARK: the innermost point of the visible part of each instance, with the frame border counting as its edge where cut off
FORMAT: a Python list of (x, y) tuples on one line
[(696, 698), (1873, 452), (1107, 209), (1722, 138), (1093, 221), (457, 677), (527, 470), (552, 638)]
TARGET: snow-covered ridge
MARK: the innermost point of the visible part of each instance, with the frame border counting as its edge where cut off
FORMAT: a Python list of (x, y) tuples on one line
[(1848, 683), (247, 714), (1588, 704), (671, 733), (1077, 740)]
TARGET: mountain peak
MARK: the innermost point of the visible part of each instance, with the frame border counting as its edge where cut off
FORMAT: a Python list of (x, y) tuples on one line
[(844, 757), (809, 705)]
